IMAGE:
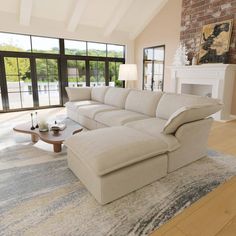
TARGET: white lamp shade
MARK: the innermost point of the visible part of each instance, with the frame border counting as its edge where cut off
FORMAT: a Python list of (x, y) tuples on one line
[(128, 72)]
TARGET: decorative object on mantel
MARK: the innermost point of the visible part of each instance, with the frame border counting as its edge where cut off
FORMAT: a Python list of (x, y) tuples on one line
[(181, 56), (215, 42), (194, 60), (194, 51)]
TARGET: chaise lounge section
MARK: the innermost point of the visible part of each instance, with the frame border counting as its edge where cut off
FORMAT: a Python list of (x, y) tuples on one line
[(136, 137)]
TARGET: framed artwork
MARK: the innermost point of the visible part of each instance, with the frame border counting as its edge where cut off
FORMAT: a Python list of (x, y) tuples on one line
[(215, 42)]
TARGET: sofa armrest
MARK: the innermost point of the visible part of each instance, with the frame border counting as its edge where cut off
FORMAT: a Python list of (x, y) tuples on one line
[(193, 139), (78, 94), (197, 130)]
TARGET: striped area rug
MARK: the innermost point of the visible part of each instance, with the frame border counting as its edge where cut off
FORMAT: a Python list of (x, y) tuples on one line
[(39, 195)]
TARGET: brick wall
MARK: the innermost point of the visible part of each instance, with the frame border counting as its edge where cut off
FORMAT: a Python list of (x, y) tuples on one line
[(196, 13)]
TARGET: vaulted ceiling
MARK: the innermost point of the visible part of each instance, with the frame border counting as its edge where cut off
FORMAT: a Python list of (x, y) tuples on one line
[(109, 16)]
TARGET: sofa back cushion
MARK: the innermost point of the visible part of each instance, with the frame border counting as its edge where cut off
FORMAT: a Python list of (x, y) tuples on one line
[(188, 114), (171, 102), (78, 94), (98, 93), (143, 101), (116, 97)]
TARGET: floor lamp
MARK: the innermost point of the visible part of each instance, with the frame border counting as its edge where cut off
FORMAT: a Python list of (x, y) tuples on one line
[(128, 73)]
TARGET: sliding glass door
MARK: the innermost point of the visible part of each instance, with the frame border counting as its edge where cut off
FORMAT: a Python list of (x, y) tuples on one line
[(1, 106), (153, 68), (48, 87), (97, 73), (81, 73), (76, 73), (30, 83), (113, 74), (19, 83)]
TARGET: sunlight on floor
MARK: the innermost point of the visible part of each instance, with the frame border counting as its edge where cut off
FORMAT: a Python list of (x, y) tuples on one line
[(8, 120)]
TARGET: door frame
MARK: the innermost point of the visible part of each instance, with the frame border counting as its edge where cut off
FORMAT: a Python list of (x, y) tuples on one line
[(32, 58), (163, 80)]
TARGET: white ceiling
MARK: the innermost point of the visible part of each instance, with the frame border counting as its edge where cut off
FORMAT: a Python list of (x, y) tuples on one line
[(130, 16)]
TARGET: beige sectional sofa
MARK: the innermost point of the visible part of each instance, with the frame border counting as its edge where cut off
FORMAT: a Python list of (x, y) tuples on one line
[(137, 136)]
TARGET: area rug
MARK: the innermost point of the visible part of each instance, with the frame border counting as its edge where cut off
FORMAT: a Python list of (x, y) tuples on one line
[(39, 195)]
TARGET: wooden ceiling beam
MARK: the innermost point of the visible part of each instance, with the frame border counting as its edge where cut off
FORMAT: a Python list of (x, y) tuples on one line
[(76, 15), (117, 16), (25, 12)]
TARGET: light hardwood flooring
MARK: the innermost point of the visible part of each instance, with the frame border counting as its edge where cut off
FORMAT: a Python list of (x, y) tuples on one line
[(214, 214)]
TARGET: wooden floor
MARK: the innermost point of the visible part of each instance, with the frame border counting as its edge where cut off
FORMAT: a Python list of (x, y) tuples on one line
[(214, 214)]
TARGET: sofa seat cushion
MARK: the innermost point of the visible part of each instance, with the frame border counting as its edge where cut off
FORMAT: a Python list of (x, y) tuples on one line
[(118, 117), (92, 110), (75, 105), (154, 127), (109, 149)]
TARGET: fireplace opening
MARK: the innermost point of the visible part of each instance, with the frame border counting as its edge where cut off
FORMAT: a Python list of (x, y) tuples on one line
[(197, 89)]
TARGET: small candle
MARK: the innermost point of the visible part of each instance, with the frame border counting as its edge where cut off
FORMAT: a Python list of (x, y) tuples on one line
[(43, 125)]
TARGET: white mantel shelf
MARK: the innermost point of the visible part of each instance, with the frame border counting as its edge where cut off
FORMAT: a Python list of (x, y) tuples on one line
[(218, 77)]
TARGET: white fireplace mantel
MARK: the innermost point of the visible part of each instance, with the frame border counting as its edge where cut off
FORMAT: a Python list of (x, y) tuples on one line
[(219, 78)]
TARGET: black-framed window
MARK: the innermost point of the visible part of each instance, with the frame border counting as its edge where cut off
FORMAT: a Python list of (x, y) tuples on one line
[(76, 71), (97, 49), (48, 82), (73, 47), (113, 74), (41, 67), (1, 101), (153, 68), (97, 73), (45, 45), (15, 42), (19, 82)]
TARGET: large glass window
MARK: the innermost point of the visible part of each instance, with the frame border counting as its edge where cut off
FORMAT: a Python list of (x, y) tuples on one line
[(75, 48), (153, 65), (19, 84), (45, 45), (15, 42), (97, 73), (113, 74), (48, 82), (97, 49), (36, 70), (1, 105), (115, 51), (76, 72)]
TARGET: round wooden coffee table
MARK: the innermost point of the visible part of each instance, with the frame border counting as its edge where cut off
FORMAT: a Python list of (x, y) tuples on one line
[(49, 137)]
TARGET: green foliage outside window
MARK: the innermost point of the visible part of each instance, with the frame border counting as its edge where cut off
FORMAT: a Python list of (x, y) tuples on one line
[(47, 69)]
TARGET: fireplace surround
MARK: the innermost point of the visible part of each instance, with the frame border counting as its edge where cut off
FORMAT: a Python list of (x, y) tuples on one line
[(213, 80)]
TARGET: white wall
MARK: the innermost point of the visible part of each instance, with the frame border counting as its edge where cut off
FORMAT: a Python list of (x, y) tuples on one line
[(164, 29)]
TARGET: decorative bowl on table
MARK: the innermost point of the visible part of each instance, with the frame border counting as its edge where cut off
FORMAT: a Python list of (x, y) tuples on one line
[(55, 129)]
